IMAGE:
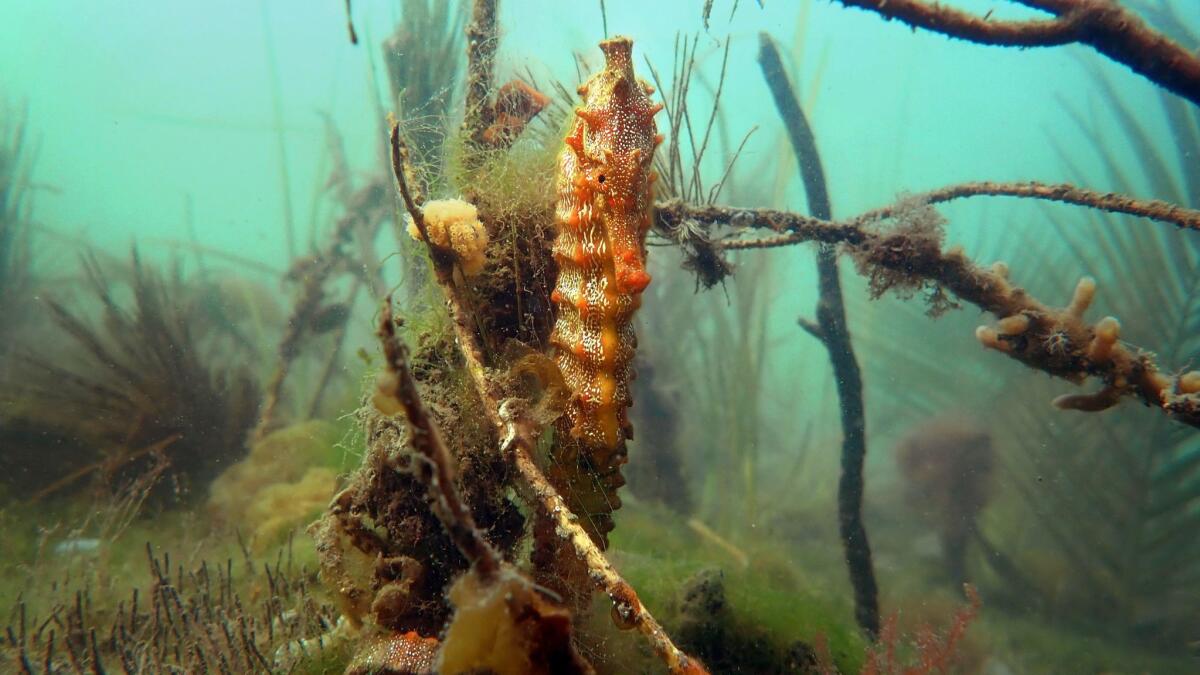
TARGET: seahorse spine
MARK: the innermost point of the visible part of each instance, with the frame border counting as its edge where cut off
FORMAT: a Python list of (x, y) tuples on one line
[(604, 210)]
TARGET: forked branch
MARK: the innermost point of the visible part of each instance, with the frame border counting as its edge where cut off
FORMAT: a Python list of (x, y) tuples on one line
[(1057, 341), (1103, 25)]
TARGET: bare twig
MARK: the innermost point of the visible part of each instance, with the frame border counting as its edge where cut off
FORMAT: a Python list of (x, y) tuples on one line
[(1103, 25), (1073, 354), (350, 24)]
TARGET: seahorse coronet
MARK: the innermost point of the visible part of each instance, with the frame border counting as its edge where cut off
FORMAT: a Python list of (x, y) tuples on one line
[(603, 212)]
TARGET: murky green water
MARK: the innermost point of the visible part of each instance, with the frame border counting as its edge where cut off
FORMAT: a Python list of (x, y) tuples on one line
[(839, 461)]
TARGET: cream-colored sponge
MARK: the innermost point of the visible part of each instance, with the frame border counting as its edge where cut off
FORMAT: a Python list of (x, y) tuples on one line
[(454, 224)]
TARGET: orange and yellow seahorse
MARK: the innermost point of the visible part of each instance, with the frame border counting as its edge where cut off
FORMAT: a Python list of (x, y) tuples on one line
[(604, 210)]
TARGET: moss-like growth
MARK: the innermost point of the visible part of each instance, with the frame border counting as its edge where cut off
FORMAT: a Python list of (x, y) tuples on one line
[(514, 193)]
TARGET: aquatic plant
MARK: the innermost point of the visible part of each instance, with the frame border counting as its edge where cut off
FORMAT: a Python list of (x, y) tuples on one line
[(934, 652), (16, 254), (1121, 513), (195, 619), (720, 374), (141, 383), (423, 67)]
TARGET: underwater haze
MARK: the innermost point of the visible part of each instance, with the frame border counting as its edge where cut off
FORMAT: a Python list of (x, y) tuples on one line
[(522, 336)]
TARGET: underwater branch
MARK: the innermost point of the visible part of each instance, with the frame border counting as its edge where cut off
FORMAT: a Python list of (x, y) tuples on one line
[(396, 390), (1103, 25), (795, 228), (1057, 341), (481, 57)]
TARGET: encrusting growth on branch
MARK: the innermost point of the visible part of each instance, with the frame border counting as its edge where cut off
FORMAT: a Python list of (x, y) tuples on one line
[(502, 622), (795, 228), (1153, 209), (1056, 341), (518, 442), (361, 215), (481, 57), (396, 391), (1103, 25)]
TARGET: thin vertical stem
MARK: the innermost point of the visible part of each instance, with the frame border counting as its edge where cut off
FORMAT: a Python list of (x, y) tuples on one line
[(833, 332)]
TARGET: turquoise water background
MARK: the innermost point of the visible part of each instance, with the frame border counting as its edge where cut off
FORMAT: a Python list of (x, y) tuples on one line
[(142, 108)]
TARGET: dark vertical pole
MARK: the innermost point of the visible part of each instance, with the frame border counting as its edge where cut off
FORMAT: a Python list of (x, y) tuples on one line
[(830, 328), (481, 56)]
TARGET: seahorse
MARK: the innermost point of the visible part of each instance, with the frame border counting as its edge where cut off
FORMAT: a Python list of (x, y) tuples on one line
[(604, 210)]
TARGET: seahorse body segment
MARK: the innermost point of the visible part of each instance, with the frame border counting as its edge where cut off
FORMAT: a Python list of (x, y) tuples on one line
[(604, 209)]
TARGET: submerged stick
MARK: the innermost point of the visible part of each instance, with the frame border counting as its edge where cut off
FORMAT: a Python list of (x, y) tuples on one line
[(831, 329), (795, 227), (396, 391), (481, 57), (1103, 25), (1151, 209), (362, 212)]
